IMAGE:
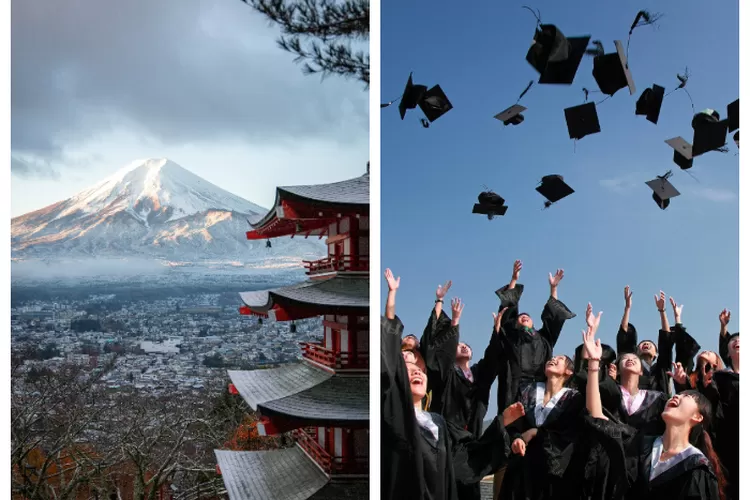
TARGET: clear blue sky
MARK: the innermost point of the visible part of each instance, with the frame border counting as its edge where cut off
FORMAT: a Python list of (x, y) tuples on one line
[(608, 234)]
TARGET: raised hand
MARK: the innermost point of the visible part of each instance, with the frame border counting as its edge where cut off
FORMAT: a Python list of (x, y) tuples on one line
[(513, 413), (442, 290), (517, 266), (589, 315), (660, 301), (678, 373), (724, 317), (393, 283), (628, 297), (518, 447), (555, 279), (677, 310), (612, 371), (591, 344), (457, 308), (498, 318)]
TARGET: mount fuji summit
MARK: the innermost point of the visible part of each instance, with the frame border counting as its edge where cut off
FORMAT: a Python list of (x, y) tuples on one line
[(154, 210)]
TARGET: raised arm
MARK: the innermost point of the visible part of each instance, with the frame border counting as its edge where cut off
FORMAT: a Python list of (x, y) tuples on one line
[(439, 344), (390, 303), (510, 295), (685, 345), (438, 323), (487, 368), (661, 302), (626, 314), (555, 313), (724, 318), (593, 348)]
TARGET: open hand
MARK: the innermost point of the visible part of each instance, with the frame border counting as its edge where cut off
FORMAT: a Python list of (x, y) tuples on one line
[(678, 373), (457, 308), (677, 310), (513, 413), (628, 297), (660, 301), (442, 290), (518, 447), (498, 318), (517, 266), (724, 317), (591, 344), (393, 283), (555, 279)]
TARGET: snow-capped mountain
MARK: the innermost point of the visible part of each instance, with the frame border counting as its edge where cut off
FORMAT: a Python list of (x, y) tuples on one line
[(153, 209)]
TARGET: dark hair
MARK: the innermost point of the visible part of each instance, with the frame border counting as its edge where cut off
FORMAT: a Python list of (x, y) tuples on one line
[(701, 439), (656, 348), (695, 380)]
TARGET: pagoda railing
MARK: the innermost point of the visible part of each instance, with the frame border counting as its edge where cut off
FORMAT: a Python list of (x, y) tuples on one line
[(331, 465), (336, 360), (338, 264)]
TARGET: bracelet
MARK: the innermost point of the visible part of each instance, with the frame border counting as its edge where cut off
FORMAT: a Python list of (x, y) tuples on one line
[(592, 370), (595, 359), (438, 300), (660, 310)]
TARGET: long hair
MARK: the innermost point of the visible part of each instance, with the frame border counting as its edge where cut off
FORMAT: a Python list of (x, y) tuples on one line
[(700, 438), (695, 379)]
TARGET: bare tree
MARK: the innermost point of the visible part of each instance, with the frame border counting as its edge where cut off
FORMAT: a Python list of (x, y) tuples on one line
[(329, 26)]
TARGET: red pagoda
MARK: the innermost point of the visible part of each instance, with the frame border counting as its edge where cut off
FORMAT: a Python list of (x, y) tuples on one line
[(322, 400)]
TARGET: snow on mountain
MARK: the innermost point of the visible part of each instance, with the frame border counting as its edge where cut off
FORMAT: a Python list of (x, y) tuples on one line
[(153, 209)]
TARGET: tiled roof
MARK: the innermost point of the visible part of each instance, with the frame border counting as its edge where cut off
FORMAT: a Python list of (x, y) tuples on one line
[(286, 474), (336, 399), (341, 291), (260, 386), (344, 490), (352, 192)]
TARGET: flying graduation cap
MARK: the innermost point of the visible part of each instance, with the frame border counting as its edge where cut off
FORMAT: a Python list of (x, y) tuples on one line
[(582, 120), (649, 104), (432, 102), (709, 132), (611, 71), (555, 56), (554, 189), (663, 190), (490, 204), (411, 97), (683, 152), (512, 115), (733, 116)]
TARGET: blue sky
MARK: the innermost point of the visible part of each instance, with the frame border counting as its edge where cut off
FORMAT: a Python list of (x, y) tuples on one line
[(608, 234)]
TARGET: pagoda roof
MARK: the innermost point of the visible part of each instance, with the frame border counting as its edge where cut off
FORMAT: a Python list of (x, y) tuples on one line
[(309, 209), (260, 386), (287, 474), (311, 298), (303, 392)]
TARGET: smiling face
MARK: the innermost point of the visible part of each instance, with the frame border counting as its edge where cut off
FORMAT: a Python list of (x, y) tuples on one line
[(630, 363), (647, 348), (525, 321), (558, 366), (708, 361), (682, 409), (734, 346), (463, 352), (417, 382), (409, 343)]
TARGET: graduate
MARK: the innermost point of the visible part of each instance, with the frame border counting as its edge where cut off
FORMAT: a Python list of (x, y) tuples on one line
[(528, 350), (729, 345), (679, 464), (460, 392), (423, 457), (544, 439)]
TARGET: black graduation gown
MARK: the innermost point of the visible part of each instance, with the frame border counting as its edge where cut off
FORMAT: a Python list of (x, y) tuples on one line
[(540, 473), (646, 419), (413, 464), (524, 354), (726, 427), (459, 400), (628, 467)]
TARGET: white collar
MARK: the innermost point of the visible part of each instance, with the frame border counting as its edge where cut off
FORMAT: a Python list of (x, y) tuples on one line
[(661, 466), (542, 411)]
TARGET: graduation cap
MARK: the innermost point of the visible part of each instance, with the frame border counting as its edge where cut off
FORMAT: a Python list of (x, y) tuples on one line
[(556, 57), (553, 188), (512, 115), (434, 103), (490, 204), (611, 71), (663, 190), (733, 116), (683, 152), (411, 97), (649, 104), (582, 120), (709, 133)]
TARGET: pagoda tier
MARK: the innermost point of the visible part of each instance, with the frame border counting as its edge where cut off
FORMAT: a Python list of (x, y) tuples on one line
[(310, 210), (287, 474), (299, 395)]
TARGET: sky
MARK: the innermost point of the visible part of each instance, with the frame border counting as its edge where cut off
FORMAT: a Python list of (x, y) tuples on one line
[(96, 85), (610, 233)]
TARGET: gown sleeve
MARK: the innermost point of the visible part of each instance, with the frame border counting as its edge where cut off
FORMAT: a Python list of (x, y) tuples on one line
[(475, 458), (434, 334), (509, 297), (686, 347), (397, 406), (554, 315), (627, 340), (702, 486), (663, 364), (724, 349), (487, 368)]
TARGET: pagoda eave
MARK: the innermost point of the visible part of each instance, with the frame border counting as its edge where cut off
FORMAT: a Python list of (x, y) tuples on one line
[(259, 386), (274, 425)]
